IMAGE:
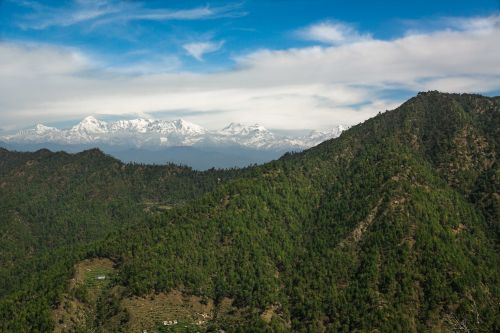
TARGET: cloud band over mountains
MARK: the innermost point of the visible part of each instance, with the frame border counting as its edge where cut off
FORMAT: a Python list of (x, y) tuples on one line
[(345, 78)]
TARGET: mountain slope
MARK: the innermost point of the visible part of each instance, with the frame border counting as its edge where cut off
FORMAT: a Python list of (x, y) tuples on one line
[(386, 228), (50, 201)]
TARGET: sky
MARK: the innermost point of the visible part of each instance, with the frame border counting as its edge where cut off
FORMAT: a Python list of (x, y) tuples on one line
[(287, 65)]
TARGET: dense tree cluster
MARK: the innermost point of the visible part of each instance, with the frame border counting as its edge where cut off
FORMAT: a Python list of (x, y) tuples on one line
[(52, 203)]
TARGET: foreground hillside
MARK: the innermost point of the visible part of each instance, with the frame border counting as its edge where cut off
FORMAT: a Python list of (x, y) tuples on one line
[(393, 227), (51, 203)]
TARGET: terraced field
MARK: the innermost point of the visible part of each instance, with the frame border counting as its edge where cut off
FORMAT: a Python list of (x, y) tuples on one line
[(148, 313)]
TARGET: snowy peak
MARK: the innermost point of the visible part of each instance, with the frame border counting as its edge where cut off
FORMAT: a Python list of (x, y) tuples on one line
[(156, 126), (184, 127), (239, 129), (234, 129), (91, 125), (333, 133), (41, 129), (257, 128), (134, 125)]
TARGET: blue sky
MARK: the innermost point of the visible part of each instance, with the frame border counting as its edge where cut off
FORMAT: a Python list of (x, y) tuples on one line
[(288, 65)]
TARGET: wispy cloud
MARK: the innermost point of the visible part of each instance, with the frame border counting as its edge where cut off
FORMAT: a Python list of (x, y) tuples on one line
[(484, 24), (332, 33), (199, 49), (100, 12)]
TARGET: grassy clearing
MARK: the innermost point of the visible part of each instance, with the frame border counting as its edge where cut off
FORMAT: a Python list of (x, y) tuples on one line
[(88, 270), (72, 314), (91, 276)]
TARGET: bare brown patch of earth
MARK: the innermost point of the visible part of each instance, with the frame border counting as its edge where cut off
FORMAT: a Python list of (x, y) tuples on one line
[(72, 314)]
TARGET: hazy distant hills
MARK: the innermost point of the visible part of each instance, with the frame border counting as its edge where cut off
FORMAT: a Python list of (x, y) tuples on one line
[(136, 140), (197, 158), (202, 158)]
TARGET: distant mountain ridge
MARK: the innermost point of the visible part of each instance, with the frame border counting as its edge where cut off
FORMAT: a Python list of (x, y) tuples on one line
[(160, 134)]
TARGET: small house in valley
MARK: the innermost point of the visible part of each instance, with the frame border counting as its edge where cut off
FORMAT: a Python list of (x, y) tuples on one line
[(100, 277)]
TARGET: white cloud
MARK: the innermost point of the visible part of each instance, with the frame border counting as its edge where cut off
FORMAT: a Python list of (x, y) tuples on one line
[(314, 87), (484, 24), (199, 49), (332, 33)]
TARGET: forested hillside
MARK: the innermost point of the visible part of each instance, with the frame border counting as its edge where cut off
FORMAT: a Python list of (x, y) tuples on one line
[(51, 203), (393, 227)]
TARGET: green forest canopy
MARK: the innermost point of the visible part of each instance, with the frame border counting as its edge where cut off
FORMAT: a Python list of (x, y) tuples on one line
[(52, 203)]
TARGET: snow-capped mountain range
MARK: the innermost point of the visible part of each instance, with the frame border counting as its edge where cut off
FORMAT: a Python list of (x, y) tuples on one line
[(158, 134)]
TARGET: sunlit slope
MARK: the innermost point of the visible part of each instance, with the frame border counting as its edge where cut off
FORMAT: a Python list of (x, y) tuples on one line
[(379, 229)]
